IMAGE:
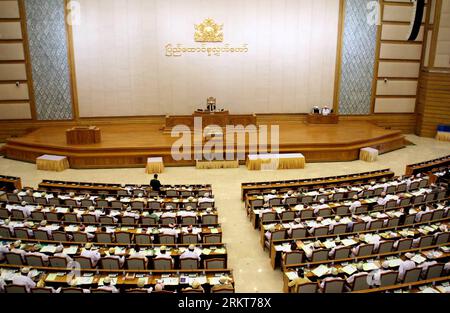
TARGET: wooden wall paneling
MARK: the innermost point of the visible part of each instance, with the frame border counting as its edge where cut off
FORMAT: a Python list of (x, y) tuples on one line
[(337, 78)]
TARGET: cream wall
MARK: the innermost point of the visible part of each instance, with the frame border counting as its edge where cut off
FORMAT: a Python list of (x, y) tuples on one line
[(122, 70)]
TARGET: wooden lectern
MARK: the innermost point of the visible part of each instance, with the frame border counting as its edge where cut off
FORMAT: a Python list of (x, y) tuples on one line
[(86, 135)]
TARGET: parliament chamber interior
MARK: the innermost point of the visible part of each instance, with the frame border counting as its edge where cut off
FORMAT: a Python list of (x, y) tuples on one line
[(227, 146)]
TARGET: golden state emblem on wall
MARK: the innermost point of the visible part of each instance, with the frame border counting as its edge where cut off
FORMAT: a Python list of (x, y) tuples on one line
[(208, 31)]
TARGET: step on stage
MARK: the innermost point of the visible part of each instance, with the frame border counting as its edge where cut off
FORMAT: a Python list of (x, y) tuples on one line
[(130, 145)]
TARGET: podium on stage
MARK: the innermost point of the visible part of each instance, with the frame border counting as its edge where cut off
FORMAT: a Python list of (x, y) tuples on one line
[(322, 119), (83, 135)]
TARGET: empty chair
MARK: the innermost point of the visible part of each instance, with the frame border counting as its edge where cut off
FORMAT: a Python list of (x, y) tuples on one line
[(293, 257), (360, 282), (15, 289), (405, 202), (404, 244), (437, 214), (71, 218), (189, 220), (70, 202), (275, 202), (124, 237), (80, 237), (41, 235), (137, 205), (212, 238), (189, 264), (268, 217), (135, 264), (109, 263), (426, 217), (324, 212), (386, 247), (334, 286), (21, 232), (4, 213), (320, 255), (167, 239), (306, 214), (308, 288), (426, 241), (4, 232), (342, 210), (362, 209), (172, 193), (375, 224), (14, 258), (168, 220), (57, 261), (54, 201), (412, 275), (162, 264), (34, 260), (85, 263), (365, 250), (106, 220), (299, 233), (430, 197), (189, 238), (393, 222), (104, 237), (342, 253), (51, 217), (215, 264), (339, 229), (434, 271), (291, 201), (409, 219), (321, 231), (89, 219), (102, 203), (40, 200), (148, 221), (209, 219), (143, 239), (442, 238), (17, 214), (388, 278), (359, 226), (287, 216), (441, 195)]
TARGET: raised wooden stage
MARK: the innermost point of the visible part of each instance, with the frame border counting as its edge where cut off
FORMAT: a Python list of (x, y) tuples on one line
[(130, 145)]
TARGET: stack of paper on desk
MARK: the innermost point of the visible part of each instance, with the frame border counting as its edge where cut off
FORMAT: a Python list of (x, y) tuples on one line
[(418, 259), (321, 270), (329, 244), (48, 249), (71, 250), (348, 242), (395, 262), (291, 275), (84, 280), (349, 269), (370, 266), (171, 281)]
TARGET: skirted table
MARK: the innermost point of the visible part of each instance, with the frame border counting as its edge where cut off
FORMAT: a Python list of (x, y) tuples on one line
[(257, 162), (443, 133), (53, 163), (217, 164), (155, 165), (368, 154)]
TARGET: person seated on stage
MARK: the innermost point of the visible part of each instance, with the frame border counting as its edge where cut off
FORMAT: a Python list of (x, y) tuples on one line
[(316, 110), (194, 286), (190, 253), (326, 111), (211, 104), (225, 283), (24, 279), (155, 183), (300, 280), (108, 286)]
